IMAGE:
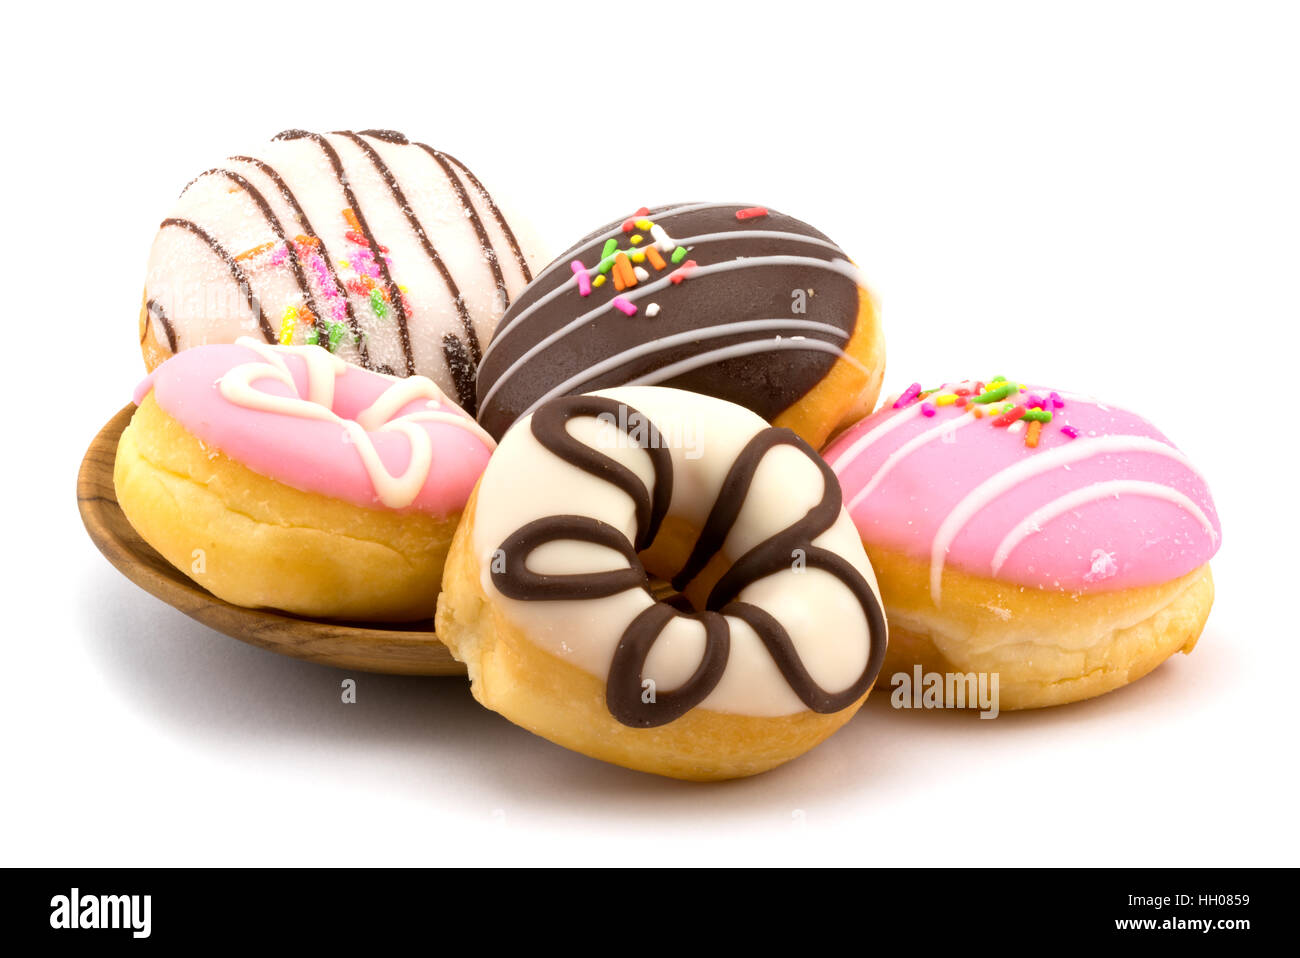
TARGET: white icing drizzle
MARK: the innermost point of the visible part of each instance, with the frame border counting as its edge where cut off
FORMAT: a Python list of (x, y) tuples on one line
[(841, 266), (865, 441), (668, 342), (664, 373), (988, 490), (1034, 522), (323, 367), (948, 427)]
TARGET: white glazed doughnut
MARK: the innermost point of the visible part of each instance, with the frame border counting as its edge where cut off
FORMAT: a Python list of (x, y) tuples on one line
[(547, 601), (388, 252)]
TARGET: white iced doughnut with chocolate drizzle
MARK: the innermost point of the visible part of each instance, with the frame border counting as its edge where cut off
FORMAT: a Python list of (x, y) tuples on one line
[(1058, 542), (389, 253), (774, 635)]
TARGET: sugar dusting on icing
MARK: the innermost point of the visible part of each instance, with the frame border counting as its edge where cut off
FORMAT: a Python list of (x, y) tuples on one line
[(1048, 486)]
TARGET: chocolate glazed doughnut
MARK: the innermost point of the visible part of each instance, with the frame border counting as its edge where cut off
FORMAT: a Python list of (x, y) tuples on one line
[(743, 303), (742, 690)]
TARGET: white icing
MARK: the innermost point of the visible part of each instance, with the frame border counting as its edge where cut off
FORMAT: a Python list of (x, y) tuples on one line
[(988, 490), (1034, 522), (524, 481), (196, 291), (394, 491)]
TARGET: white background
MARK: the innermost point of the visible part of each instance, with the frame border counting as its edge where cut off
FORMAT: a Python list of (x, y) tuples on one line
[(1101, 196)]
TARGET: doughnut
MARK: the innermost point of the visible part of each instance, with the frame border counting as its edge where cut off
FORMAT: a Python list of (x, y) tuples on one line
[(387, 252), (283, 477), (738, 302), (773, 634), (1042, 536)]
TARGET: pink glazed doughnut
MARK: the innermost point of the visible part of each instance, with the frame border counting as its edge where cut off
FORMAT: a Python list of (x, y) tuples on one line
[(1048, 539), (283, 477)]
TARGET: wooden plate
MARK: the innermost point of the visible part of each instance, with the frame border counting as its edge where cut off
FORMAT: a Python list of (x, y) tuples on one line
[(402, 650)]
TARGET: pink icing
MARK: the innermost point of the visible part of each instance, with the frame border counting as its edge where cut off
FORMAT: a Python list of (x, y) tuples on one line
[(309, 454), (1151, 522)]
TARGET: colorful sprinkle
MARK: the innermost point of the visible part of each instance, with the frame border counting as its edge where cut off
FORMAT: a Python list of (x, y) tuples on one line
[(636, 239), (662, 239), (1038, 415), (1057, 401), (377, 304), (752, 212), (287, 325), (639, 256), (947, 399), (656, 260), (652, 309), (910, 393), (628, 226), (1031, 436), (351, 217), (255, 251), (641, 273), (644, 224), (679, 254), (927, 409), (995, 393), (611, 247), (680, 274), (623, 270), (598, 281), (580, 274), (624, 306), (1070, 431), (1007, 418)]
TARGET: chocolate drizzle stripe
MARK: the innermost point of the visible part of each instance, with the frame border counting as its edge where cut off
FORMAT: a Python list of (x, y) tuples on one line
[(467, 206), (461, 366), (496, 213), (236, 271), (288, 196), (394, 294), (624, 683), (155, 311), (399, 197), (277, 228), (550, 429)]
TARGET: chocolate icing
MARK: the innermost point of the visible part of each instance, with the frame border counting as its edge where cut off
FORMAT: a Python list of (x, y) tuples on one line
[(768, 381), (623, 686)]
